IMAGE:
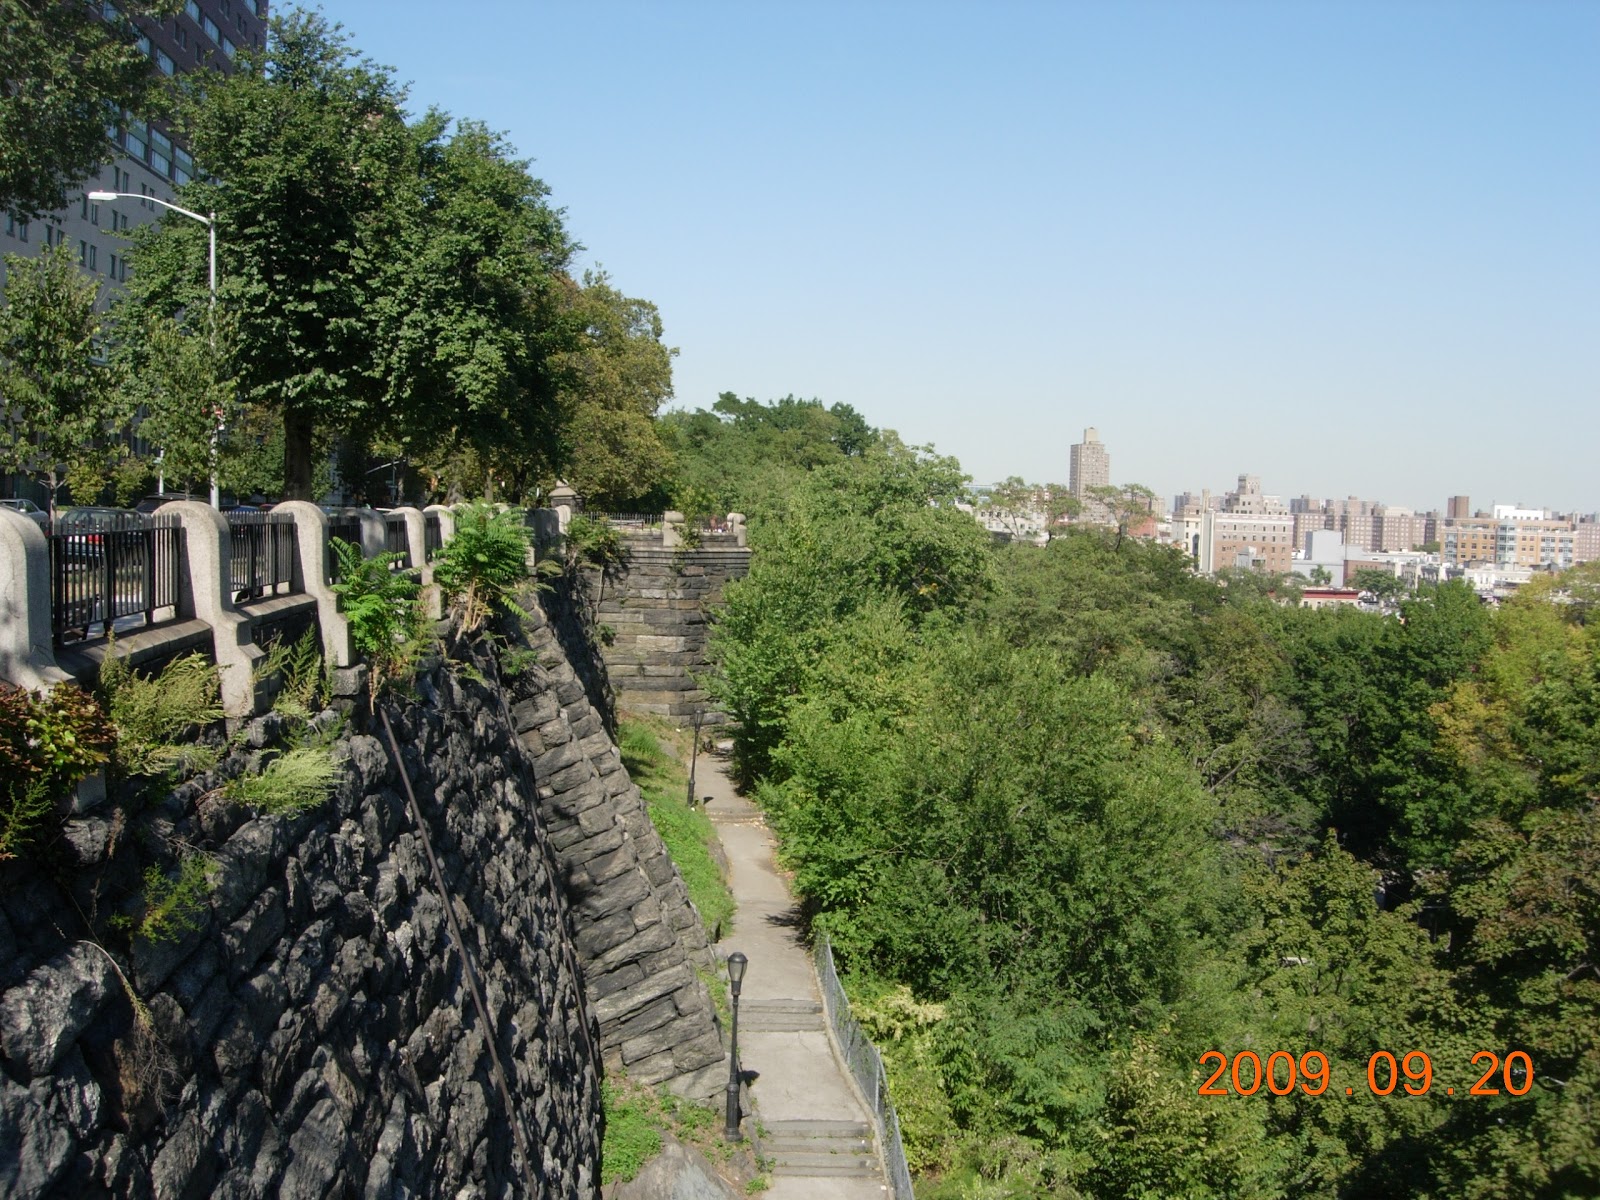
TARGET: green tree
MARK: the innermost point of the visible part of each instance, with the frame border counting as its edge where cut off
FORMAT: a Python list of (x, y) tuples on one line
[(613, 381), (63, 405), (315, 153), (67, 71), (1382, 584), (183, 379), (471, 305), (1126, 506)]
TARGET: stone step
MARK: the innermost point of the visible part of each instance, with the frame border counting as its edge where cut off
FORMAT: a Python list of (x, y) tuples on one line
[(792, 1006), (777, 1147), (818, 1127), (824, 1164), (780, 1016)]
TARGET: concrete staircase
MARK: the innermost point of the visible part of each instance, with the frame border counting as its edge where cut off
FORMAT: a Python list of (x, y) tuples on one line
[(812, 1148)]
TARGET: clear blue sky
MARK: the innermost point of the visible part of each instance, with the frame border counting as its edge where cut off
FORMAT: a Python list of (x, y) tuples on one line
[(1351, 247)]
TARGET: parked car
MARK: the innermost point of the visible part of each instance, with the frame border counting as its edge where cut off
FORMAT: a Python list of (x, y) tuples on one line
[(150, 503), (83, 526), (30, 510)]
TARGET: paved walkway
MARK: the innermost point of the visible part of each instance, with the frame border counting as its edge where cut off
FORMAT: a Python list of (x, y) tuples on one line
[(817, 1131)]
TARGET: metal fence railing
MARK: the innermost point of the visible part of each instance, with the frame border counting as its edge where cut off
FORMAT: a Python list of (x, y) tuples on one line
[(432, 535), (265, 551), (627, 520), (100, 575), (342, 527), (866, 1066), (397, 541)]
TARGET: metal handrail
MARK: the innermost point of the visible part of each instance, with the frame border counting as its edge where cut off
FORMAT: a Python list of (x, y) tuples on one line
[(866, 1067)]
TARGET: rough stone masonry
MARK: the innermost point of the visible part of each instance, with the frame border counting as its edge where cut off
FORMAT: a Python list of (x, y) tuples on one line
[(314, 1037)]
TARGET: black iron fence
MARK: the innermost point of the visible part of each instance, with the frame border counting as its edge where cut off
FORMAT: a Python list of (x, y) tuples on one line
[(396, 541), (102, 575), (432, 535), (342, 527), (265, 554)]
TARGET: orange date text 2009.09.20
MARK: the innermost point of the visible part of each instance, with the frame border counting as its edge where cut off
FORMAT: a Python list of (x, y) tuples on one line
[(1281, 1073)]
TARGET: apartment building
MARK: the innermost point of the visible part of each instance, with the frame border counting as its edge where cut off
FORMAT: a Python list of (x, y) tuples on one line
[(149, 163)]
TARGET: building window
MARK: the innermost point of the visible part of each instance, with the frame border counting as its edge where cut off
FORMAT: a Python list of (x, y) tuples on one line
[(94, 255), (164, 62), (227, 46), (193, 10), (135, 140), (181, 36), (160, 152), (211, 29)]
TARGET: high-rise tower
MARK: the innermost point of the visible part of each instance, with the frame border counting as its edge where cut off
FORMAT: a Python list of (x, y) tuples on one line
[(1090, 465)]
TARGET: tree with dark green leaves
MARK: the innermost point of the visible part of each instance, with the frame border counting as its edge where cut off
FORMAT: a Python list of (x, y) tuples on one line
[(612, 382), (309, 155), (67, 72), (64, 409), (743, 455), (471, 307), (183, 378)]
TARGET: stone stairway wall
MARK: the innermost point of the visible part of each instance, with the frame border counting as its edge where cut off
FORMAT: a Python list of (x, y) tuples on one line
[(655, 604)]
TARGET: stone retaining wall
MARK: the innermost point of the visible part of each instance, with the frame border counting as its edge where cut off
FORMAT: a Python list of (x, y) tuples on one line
[(656, 604), (640, 939), (314, 1037)]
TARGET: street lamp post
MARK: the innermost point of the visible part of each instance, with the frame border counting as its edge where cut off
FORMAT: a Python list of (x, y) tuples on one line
[(210, 222), (736, 965)]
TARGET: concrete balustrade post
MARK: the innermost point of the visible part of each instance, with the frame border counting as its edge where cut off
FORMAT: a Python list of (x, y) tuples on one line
[(206, 593), (544, 530), (311, 532), (27, 657), (671, 530), (417, 547), (374, 537), (447, 520)]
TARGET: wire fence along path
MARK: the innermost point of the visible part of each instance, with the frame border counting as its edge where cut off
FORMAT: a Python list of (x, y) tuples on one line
[(866, 1066)]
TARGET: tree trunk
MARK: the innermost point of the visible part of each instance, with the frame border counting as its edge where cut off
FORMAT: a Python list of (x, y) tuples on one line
[(298, 428)]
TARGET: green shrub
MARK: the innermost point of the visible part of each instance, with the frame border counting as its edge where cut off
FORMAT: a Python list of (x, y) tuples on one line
[(386, 621), (48, 743), (151, 715), (483, 563), (304, 689), (300, 779), (172, 906)]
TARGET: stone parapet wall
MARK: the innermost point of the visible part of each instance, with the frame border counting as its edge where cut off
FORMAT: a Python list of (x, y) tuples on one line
[(655, 604), (641, 941), (315, 1036)]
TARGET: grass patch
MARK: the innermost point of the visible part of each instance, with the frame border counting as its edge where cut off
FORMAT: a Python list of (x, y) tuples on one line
[(687, 832), (637, 1119), (632, 1134)]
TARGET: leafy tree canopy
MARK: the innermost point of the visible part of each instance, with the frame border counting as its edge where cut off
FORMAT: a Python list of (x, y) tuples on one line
[(65, 75)]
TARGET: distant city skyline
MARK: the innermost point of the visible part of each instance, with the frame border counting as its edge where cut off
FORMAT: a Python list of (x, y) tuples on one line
[(1349, 248)]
